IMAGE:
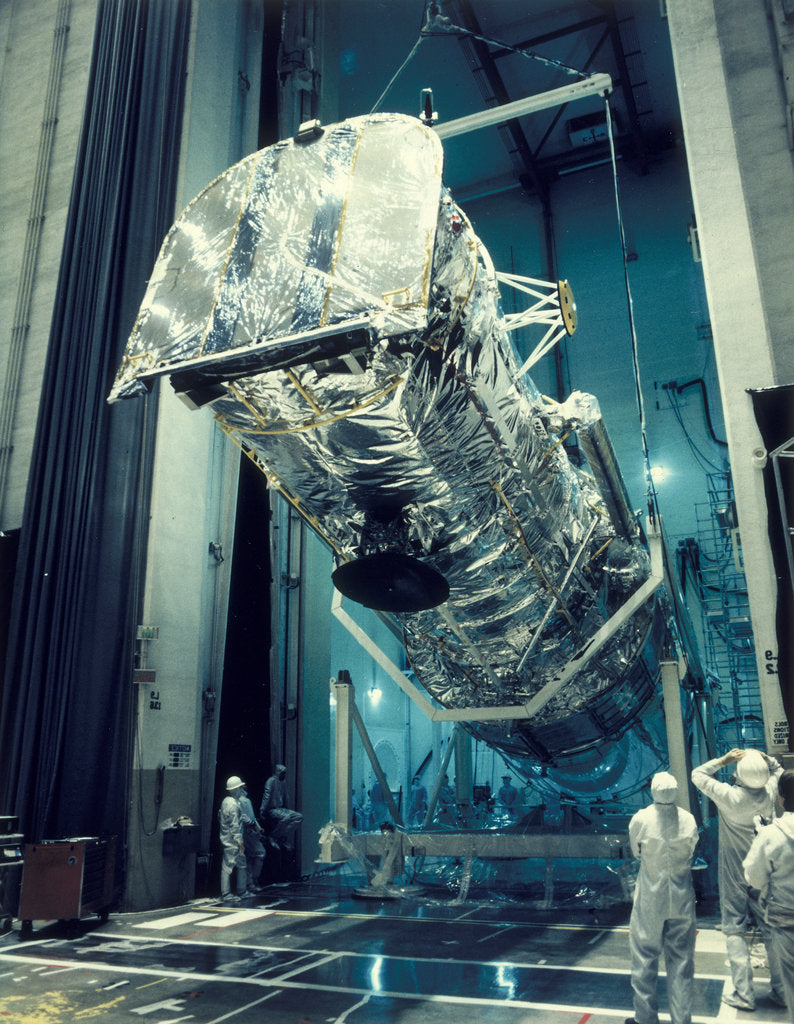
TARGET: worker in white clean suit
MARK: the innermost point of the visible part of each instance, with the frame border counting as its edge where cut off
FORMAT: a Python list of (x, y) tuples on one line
[(252, 841), (753, 794), (663, 837), (231, 836), (769, 867)]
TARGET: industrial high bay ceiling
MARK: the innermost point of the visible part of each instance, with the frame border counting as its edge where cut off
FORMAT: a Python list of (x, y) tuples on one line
[(509, 51)]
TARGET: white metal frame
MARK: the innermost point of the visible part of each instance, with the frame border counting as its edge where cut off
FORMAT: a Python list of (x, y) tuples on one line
[(511, 711), (591, 86), (545, 310)]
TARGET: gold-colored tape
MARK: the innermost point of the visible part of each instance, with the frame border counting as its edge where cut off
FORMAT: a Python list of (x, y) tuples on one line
[(303, 392), (316, 424), (275, 483)]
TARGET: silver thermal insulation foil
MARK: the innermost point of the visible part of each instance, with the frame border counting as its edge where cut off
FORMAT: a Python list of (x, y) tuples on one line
[(335, 309)]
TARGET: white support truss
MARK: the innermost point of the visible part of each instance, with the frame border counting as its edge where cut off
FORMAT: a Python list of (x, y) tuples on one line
[(512, 711), (553, 306)]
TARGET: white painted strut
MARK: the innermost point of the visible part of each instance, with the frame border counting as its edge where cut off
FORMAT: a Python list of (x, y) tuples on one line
[(594, 85), (554, 306)]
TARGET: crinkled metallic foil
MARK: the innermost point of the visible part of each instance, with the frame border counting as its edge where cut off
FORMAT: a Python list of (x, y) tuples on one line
[(414, 433)]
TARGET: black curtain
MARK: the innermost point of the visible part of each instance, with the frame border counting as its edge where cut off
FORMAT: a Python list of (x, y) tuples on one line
[(67, 695), (774, 413)]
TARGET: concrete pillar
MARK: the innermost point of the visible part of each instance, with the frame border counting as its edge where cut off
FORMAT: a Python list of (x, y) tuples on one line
[(744, 341), (674, 723), (191, 529)]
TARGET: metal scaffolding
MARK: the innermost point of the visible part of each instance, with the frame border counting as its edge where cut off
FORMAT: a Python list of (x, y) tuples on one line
[(727, 627)]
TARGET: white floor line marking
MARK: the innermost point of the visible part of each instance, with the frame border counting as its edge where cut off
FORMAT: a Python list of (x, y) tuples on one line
[(596, 937), (193, 917), (474, 1001), (115, 984), (30, 943), (487, 938), (239, 917), (352, 953), (302, 985), (175, 1020), (538, 926), (242, 1009), (726, 1013), (709, 942), (343, 1016), (160, 974), (282, 978), (287, 963)]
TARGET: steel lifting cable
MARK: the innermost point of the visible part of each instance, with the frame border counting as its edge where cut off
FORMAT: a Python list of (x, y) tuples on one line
[(437, 24), (651, 490)]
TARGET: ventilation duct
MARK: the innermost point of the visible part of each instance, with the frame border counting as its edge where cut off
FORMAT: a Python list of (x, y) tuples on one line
[(331, 302)]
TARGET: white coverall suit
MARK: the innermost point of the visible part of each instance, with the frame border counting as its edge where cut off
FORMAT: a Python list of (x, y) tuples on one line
[(738, 806), (663, 837), (769, 866), (231, 837), (252, 843)]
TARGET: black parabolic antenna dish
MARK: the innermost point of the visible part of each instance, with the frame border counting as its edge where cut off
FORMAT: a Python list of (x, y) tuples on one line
[(391, 582)]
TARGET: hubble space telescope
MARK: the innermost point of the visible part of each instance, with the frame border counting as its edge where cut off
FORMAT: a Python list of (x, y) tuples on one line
[(331, 304)]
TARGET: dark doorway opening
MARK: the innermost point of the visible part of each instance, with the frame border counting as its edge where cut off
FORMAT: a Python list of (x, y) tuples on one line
[(243, 731), (243, 726)]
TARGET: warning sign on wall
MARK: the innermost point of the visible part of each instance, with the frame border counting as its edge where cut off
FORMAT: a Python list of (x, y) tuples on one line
[(179, 755)]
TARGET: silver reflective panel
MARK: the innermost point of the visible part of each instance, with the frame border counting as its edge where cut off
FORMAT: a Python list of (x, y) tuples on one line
[(337, 310)]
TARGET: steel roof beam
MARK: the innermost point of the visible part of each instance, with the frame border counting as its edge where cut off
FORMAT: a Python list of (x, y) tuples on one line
[(550, 37), (500, 94)]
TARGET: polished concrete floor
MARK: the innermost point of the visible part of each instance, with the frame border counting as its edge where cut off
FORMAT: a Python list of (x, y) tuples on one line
[(313, 953)]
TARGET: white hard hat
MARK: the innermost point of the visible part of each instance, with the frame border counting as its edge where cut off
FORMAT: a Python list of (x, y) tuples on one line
[(752, 770), (234, 782), (664, 788)]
